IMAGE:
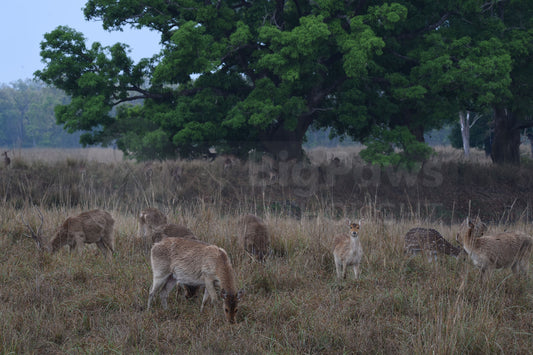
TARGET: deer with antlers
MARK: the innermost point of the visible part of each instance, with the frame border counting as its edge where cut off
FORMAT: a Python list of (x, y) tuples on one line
[(95, 226)]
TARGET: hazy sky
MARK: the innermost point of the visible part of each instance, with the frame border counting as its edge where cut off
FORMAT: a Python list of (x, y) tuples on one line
[(24, 23)]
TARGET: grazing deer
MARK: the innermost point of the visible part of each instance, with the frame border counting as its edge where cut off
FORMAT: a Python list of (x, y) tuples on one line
[(478, 230), (194, 263), (498, 251), (94, 226), (430, 241), (348, 251), (149, 219), (7, 160), (171, 231), (254, 237)]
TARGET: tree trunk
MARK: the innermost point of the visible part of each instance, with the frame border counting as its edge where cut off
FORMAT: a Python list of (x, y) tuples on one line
[(464, 121), (284, 144), (506, 144)]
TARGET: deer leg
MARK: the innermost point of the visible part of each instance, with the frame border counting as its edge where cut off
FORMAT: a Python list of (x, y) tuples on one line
[(344, 267), (169, 285), (484, 275), (209, 292), (356, 271), (76, 243), (204, 299), (157, 283), (338, 267), (104, 248)]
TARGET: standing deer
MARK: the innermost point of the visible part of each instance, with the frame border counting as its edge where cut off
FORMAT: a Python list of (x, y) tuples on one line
[(254, 238), (498, 251), (348, 251), (94, 226), (148, 220), (429, 241), (194, 263), (7, 160)]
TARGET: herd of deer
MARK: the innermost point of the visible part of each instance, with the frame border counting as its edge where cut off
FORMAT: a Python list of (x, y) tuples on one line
[(179, 258)]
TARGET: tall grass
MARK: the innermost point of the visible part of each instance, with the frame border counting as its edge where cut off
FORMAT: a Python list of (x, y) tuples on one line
[(69, 303)]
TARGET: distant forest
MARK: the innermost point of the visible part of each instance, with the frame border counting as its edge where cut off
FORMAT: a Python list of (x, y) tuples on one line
[(27, 120), (27, 116)]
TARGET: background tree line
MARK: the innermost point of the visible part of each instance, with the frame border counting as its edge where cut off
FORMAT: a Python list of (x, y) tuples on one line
[(27, 116)]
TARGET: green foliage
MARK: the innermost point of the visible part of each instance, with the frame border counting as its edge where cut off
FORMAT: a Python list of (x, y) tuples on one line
[(240, 75), (396, 147)]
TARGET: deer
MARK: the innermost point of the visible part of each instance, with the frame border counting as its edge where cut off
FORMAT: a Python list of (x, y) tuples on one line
[(194, 263), (95, 226), (149, 219), (254, 238), (230, 161), (171, 230), (430, 241), (7, 160), (496, 251), (348, 251)]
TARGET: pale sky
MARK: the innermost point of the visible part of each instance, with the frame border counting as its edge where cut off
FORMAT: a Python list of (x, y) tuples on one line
[(24, 23)]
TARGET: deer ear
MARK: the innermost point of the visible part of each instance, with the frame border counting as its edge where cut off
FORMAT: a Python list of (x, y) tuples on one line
[(348, 222)]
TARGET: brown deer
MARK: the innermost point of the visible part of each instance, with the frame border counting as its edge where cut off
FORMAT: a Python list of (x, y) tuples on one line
[(429, 241), (254, 238), (348, 251), (497, 251), (148, 220), (94, 226), (171, 231), (7, 160), (230, 161), (194, 263)]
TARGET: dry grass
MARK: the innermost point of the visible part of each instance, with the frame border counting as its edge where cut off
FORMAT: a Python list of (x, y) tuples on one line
[(62, 303), (49, 155), (65, 303)]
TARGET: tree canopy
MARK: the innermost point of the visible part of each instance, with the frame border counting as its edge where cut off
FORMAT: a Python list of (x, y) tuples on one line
[(238, 75)]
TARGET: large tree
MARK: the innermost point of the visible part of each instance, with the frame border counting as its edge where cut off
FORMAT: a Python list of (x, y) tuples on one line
[(257, 74)]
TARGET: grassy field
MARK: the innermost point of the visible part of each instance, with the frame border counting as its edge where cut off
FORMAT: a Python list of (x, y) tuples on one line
[(69, 303)]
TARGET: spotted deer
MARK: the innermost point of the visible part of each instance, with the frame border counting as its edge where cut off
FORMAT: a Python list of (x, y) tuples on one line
[(254, 238), (195, 263), (348, 251), (496, 251), (430, 242), (148, 220), (95, 226)]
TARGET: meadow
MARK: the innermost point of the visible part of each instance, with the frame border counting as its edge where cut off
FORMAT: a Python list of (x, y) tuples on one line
[(293, 303)]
